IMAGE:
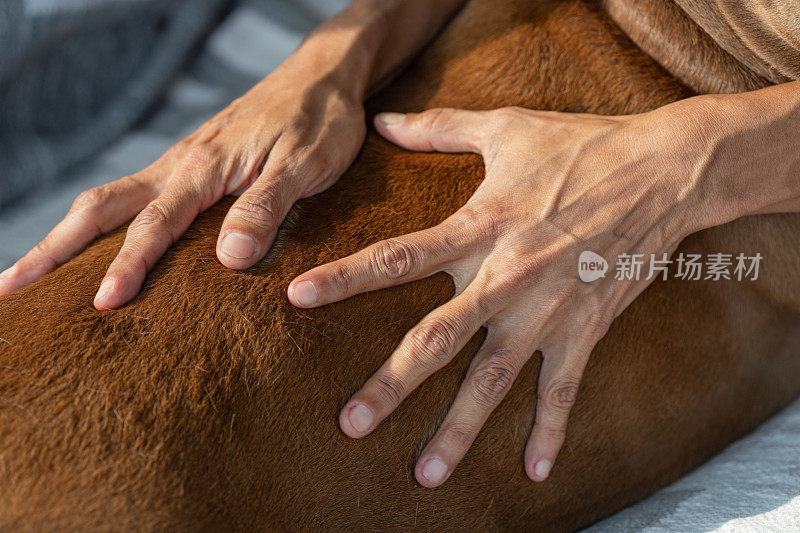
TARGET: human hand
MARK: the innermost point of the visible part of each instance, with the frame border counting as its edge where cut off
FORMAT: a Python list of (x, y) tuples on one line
[(556, 184), (289, 137)]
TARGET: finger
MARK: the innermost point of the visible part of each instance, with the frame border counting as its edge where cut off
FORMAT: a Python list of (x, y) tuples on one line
[(153, 230), (424, 350), (489, 378), (440, 130), (559, 381), (252, 222), (383, 264), (94, 212)]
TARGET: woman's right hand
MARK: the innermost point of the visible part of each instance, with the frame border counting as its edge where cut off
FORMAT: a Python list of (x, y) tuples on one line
[(289, 137)]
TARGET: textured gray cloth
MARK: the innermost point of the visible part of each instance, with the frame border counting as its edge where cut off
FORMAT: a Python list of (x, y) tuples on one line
[(251, 41), (75, 74), (754, 485)]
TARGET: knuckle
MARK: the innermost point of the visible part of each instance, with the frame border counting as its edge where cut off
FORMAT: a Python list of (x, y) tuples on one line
[(507, 116), (501, 122), (518, 268), (554, 433), (560, 395), (91, 199), (395, 259), (453, 237), (435, 119), (433, 340), (130, 263), (523, 263), (153, 216), (13, 273), (41, 247), (390, 390), (182, 145), (460, 434), (482, 223), (176, 151), (202, 154), (492, 382), (43, 251), (340, 276), (260, 210)]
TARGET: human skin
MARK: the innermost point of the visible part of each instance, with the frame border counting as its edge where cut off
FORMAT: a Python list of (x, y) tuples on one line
[(291, 136), (556, 184)]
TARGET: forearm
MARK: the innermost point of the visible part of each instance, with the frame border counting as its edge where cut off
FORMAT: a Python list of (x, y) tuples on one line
[(369, 40), (749, 159)]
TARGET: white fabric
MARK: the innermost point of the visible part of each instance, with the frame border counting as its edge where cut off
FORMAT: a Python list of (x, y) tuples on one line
[(753, 485)]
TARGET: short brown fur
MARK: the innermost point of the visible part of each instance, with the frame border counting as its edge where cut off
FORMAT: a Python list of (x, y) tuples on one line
[(210, 401)]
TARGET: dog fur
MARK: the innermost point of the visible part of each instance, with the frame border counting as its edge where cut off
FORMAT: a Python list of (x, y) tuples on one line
[(209, 402)]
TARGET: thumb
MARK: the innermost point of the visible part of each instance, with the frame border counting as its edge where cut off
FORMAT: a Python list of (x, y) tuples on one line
[(435, 130)]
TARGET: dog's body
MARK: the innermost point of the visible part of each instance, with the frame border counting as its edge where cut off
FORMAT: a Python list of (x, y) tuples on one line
[(211, 401)]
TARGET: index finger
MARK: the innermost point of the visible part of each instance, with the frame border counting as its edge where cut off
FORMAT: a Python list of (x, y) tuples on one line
[(380, 265), (94, 212)]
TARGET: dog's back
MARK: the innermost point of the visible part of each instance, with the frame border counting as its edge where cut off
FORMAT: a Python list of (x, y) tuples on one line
[(211, 401)]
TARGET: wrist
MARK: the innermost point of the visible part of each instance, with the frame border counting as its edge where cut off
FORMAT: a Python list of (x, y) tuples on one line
[(342, 51), (720, 193), (742, 153), (318, 64), (369, 41), (663, 153), (698, 127)]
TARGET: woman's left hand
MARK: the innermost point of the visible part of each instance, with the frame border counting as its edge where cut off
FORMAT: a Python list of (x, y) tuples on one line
[(556, 185)]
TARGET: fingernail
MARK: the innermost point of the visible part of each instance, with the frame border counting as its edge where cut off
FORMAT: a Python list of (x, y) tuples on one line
[(390, 119), (434, 471), (304, 293), (103, 291), (361, 418), (542, 468), (238, 245)]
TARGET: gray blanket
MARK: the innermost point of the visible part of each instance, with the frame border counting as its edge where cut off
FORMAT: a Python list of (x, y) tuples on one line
[(76, 74)]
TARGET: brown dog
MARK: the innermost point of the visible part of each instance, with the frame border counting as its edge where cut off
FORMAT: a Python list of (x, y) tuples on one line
[(211, 402)]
